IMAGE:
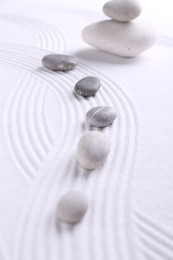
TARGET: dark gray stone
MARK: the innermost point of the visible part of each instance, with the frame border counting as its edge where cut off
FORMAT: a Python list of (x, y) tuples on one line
[(87, 86)]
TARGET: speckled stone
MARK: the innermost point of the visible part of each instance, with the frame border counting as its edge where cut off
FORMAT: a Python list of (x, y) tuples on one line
[(122, 39), (101, 116), (59, 62), (87, 86), (122, 10), (72, 207), (92, 150)]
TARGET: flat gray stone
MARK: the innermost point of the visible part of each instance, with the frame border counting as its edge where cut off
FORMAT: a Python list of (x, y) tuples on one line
[(72, 207), (101, 116), (122, 10), (59, 62), (87, 86), (92, 150)]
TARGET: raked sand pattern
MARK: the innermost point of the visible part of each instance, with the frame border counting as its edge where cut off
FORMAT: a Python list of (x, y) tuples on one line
[(108, 188), (154, 239), (43, 152), (45, 35), (24, 123)]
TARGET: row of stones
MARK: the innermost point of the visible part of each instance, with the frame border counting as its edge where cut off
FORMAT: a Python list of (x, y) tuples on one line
[(93, 148)]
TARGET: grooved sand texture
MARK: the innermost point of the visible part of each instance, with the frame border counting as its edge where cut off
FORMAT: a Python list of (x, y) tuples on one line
[(41, 123)]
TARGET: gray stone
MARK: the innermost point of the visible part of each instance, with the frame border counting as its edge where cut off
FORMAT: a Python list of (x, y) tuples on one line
[(72, 207), (122, 10), (59, 62), (92, 150), (87, 86), (122, 39), (101, 116)]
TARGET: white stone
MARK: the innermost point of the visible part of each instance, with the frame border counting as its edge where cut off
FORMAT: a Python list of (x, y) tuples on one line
[(92, 150), (122, 39), (122, 10), (72, 207)]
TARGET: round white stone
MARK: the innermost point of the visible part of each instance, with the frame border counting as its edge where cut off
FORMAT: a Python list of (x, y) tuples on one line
[(122, 39), (92, 150), (122, 10), (72, 207)]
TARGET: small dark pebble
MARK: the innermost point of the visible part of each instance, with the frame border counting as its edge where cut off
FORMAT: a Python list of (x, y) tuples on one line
[(87, 86)]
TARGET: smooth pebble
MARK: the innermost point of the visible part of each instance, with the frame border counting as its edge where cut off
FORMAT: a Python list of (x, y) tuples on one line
[(92, 150), (101, 116), (122, 39), (72, 207), (87, 86), (122, 10), (59, 62)]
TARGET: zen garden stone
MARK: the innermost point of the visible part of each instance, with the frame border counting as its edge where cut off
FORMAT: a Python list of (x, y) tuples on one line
[(59, 62), (101, 116), (92, 150), (87, 86), (122, 10), (119, 35), (72, 207)]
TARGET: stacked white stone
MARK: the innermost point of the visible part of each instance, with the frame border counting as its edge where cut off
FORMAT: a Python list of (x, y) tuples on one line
[(121, 35)]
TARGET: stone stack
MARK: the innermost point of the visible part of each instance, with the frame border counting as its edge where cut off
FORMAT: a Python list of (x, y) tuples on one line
[(122, 35)]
